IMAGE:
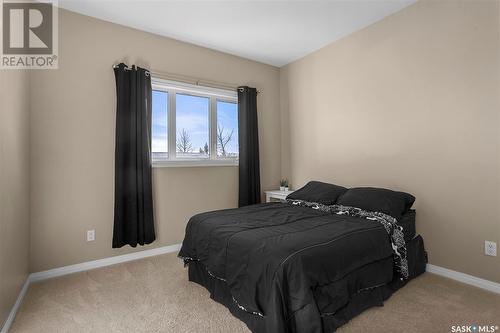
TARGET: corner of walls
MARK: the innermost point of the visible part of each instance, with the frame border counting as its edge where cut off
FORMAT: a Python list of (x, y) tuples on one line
[(286, 167), (14, 185)]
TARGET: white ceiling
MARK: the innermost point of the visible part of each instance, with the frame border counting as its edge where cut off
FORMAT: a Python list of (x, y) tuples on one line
[(272, 32)]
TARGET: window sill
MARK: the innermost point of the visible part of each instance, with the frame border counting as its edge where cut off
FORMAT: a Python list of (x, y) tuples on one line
[(194, 163)]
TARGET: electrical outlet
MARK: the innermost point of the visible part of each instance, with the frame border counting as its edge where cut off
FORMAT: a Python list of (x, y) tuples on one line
[(490, 248), (90, 235)]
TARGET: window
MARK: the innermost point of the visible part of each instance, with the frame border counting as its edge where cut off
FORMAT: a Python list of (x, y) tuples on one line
[(193, 125)]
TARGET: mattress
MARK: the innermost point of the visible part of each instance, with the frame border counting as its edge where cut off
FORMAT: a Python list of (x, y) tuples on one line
[(269, 253), (299, 267)]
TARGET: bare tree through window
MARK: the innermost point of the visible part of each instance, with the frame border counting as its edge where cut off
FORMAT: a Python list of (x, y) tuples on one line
[(184, 142), (223, 139)]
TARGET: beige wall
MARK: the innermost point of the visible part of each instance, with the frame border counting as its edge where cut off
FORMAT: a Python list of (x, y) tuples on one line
[(72, 139), (409, 103), (14, 186)]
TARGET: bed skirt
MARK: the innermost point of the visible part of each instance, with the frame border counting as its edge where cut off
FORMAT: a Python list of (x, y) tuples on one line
[(417, 260)]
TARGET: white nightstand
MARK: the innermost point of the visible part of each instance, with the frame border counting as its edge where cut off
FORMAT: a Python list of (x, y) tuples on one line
[(276, 195)]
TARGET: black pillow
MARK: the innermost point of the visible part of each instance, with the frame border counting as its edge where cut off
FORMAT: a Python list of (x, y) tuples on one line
[(323, 193), (381, 200)]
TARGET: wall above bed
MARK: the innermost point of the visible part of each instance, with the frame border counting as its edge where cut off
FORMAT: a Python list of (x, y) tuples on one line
[(410, 103)]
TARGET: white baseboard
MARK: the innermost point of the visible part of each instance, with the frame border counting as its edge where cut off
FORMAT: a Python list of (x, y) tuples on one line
[(12, 314), (85, 266), (465, 278)]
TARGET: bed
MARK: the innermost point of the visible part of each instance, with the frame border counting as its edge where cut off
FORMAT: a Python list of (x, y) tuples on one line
[(309, 264)]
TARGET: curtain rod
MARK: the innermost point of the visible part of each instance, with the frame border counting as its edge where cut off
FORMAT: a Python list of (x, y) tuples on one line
[(190, 80)]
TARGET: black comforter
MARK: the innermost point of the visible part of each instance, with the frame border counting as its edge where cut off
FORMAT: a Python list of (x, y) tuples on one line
[(290, 264)]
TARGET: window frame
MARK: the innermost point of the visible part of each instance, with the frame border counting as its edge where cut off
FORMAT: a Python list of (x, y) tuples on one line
[(214, 95)]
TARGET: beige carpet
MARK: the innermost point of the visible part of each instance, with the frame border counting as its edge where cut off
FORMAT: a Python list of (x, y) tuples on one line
[(153, 295)]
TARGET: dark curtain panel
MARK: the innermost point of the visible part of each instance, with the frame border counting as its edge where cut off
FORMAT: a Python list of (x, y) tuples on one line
[(248, 136), (134, 221)]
